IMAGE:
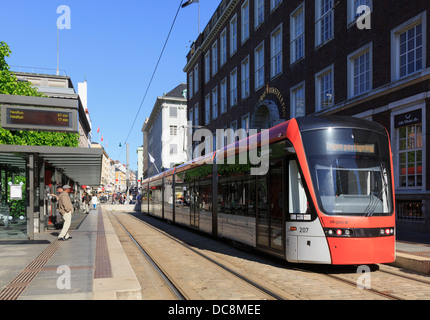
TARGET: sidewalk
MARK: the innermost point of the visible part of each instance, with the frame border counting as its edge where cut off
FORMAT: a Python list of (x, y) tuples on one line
[(91, 265)]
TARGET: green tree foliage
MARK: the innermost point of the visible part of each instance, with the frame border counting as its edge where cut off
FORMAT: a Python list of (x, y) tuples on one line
[(9, 84)]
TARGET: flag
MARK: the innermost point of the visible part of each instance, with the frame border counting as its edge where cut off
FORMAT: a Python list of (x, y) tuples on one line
[(189, 2), (151, 158), (98, 129), (102, 137)]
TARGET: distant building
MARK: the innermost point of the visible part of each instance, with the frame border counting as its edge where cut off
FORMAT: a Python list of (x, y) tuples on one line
[(164, 132)]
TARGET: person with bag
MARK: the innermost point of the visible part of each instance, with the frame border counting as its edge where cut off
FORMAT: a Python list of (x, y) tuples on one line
[(65, 207), (86, 199)]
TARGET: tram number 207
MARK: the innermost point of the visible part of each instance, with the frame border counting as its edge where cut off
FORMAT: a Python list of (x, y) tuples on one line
[(303, 230)]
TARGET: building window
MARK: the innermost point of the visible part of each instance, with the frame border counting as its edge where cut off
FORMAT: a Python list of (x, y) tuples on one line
[(276, 52), (410, 210), (408, 44), (173, 130), (223, 102), (274, 4), (215, 58), (207, 66), (297, 34), (298, 101), (233, 35), (173, 111), (245, 78), (245, 21), (173, 149), (324, 21), (223, 44), (207, 109), (259, 12), (190, 84), (233, 88), (360, 71), (324, 85), (215, 103), (196, 114), (245, 124), (411, 156), (259, 66), (196, 78)]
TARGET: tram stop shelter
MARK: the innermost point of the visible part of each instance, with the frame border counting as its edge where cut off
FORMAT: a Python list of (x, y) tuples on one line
[(29, 175)]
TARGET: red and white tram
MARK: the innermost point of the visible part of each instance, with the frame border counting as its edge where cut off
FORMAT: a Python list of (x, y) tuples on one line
[(327, 197)]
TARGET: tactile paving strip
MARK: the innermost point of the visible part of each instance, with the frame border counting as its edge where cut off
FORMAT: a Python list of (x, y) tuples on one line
[(102, 264), (17, 286)]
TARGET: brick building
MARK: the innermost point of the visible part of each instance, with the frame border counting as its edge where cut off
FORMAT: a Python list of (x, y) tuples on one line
[(258, 63)]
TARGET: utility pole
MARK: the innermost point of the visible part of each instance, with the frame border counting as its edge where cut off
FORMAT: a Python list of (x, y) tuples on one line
[(127, 178)]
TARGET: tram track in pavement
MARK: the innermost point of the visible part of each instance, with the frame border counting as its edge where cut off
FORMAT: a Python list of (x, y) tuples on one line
[(177, 289)]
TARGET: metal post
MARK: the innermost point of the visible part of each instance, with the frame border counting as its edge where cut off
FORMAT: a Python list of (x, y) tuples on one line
[(127, 178), (30, 197)]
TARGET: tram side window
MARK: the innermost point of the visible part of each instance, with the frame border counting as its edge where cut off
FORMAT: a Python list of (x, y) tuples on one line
[(298, 201), (155, 203), (236, 195)]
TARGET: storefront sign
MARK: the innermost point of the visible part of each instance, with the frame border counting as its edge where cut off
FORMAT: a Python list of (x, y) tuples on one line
[(408, 119)]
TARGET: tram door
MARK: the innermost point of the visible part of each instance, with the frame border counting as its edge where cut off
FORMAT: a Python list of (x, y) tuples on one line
[(270, 222), (194, 204)]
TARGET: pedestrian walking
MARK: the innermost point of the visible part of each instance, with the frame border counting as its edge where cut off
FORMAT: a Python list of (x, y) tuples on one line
[(86, 199), (94, 201), (65, 207)]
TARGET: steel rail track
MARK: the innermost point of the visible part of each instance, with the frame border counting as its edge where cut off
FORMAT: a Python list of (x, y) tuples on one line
[(238, 275)]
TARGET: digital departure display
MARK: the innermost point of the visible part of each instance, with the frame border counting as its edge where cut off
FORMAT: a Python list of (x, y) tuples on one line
[(41, 119)]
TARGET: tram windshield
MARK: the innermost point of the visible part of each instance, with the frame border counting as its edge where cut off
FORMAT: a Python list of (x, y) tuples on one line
[(350, 171)]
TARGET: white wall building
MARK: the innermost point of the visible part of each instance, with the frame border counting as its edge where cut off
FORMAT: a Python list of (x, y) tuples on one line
[(168, 121)]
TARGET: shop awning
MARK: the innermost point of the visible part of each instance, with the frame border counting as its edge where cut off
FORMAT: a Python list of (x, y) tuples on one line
[(82, 165)]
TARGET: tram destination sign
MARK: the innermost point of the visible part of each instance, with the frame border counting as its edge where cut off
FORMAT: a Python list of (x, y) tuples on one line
[(39, 119)]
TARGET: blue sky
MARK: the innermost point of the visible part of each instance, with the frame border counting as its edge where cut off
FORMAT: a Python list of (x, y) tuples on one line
[(115, 45)]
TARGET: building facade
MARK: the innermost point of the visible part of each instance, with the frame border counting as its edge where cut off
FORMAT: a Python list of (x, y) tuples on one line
[(258, 63), (164, 132)]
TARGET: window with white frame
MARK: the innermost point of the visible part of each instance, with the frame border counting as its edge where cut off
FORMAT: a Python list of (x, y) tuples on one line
[(324, 14), (233, 88), (298, 101), (245, 21), (353, 6), (196, 114), (324, 87), (196, 78), (259, 66), (173, 112), (233, 35), (214, 58), (207, 109), (274, 4), (244, 75), (245, 124), (297, 34), (173, 149), (411, 156), (360, 71), (190, 84), (223, 92), (215, 103), (232, 137), (207, 66), (173, 130), (223, 47), (408, 42), (259, 13), (276, 52)]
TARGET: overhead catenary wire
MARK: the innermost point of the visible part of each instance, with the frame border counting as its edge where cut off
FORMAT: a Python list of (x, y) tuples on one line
[(152, 78)]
